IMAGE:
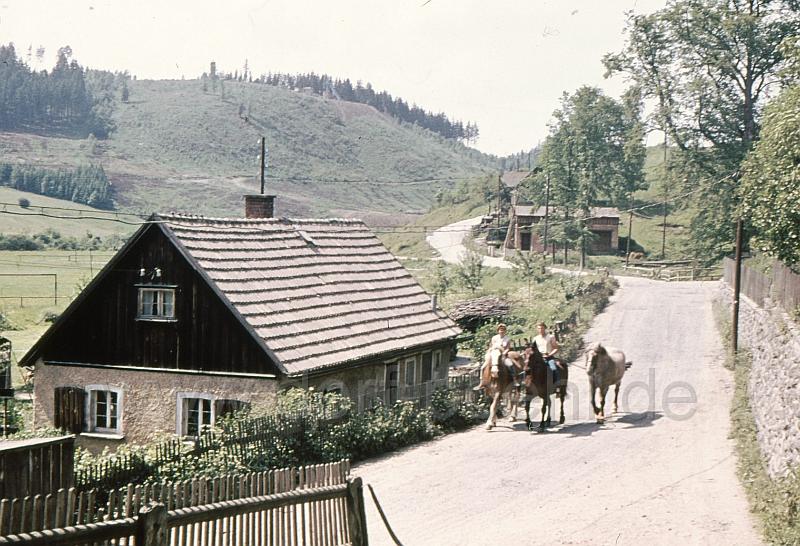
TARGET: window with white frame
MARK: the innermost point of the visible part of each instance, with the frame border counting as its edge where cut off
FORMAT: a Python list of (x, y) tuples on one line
[(103, 409), (410, 365), (156, 303), (196, 413), (437, 364)]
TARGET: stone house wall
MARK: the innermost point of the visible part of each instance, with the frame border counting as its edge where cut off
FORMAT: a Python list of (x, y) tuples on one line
[(149, 398), (774, 387)]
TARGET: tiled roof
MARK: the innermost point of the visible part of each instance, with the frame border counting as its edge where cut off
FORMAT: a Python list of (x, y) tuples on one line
[(512, 178), (594, 212), (319, 293)]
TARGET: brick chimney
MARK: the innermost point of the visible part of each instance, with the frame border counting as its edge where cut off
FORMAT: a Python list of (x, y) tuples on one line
[(259, 206)]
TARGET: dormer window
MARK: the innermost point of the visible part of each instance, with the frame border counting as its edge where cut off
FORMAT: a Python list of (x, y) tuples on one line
[(156, 303)]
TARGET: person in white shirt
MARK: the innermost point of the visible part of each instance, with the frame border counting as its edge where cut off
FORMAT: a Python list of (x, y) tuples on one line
[(548, 346), (502, 342)]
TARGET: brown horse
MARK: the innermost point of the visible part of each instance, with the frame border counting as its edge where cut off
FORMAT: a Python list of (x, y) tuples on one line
[(605, 367), (498, 380), (539, 382)]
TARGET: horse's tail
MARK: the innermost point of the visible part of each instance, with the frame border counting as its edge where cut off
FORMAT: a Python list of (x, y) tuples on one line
[(628, 365)]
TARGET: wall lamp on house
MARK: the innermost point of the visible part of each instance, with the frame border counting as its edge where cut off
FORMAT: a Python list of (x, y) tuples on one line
[(154, 273)]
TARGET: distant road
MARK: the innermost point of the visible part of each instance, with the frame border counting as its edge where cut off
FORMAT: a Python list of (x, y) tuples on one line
[(449, 242)]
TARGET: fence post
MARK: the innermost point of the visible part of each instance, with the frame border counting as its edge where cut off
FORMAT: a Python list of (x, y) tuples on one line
[(356, 518), (152, 527)]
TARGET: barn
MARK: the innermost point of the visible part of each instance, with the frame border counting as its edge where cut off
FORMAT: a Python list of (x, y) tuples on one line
[(523, 235), (195, 317)]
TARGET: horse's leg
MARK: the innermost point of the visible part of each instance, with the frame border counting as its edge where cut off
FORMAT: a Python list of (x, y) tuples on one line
[(601, 417), (561, 419), (593, 388), (527, 411), (492, 422), (548, 421), (544, 409), (514, 400)]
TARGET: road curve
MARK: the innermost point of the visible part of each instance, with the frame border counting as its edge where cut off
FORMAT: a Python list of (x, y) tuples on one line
[(662, 471), (449, 242)]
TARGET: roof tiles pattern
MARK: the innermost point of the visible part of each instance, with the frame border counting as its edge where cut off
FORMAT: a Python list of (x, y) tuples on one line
[(319, 293)]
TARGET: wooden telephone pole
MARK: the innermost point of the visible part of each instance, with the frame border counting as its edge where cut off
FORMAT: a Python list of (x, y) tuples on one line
[(263, 162)]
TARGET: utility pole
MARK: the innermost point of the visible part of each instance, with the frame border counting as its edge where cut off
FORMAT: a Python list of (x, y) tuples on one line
[(666, 185), (630, 235), (499, 190), (263, 162), (737, 285), (546, 211)]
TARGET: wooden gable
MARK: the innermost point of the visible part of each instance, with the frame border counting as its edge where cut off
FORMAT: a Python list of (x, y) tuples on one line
[(102, 326)]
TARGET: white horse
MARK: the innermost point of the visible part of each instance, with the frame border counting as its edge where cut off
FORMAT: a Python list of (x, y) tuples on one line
[(498, 380), (605, 367)]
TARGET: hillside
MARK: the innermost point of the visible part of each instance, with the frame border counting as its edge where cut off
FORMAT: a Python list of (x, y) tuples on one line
[(67, 218), (177, 147)]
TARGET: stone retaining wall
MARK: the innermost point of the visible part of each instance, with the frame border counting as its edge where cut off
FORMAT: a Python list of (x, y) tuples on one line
[(774, 388)]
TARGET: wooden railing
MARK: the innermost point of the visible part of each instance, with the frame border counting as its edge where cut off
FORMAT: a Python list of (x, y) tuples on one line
[(308, 505), (673, 274), (782, 285)]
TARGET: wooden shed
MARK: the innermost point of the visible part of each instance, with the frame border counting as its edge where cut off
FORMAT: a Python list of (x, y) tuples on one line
[(525, 219), (36, 467)]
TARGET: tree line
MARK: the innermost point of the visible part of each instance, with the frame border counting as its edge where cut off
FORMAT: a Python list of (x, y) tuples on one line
[(593, 155), (724, 79), (325, 85), (710, 67), (85, 184), (61, 98)]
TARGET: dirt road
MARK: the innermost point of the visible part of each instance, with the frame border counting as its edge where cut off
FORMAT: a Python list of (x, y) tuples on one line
[(449, 242), (659, 472)]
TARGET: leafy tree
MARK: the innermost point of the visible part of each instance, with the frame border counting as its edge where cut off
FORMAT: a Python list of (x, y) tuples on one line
[(470, 271), (708, 65), (441, 280), (594, 151), (770, 188), (529, 267), (125, 95)]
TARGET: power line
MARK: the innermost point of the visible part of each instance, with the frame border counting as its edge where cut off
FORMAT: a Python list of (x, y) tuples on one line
[(426, 229)]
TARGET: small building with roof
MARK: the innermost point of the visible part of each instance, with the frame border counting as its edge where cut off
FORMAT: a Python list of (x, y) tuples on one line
[(526, 228), (195, 317)]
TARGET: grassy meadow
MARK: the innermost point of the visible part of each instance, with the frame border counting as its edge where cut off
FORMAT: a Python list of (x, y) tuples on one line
[(178, 147), (28, 290)]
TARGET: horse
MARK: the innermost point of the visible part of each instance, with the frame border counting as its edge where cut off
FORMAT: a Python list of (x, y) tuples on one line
[(498, 379), (539, 382), (605, 367)]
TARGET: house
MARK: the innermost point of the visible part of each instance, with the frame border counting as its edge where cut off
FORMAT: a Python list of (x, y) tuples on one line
[(195, 317), (603, 222)]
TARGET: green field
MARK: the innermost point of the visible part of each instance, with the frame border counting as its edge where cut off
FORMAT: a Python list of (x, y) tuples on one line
[(35, 284), (76, 221)]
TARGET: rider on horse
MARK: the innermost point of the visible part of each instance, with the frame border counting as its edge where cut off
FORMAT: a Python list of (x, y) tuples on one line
[(548, 346), (500, 342)]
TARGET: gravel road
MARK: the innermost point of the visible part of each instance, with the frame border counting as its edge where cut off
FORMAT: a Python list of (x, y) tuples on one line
[(662, 471), (449, 242)]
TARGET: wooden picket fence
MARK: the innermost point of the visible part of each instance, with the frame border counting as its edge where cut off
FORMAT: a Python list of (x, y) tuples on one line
[(782, 286), (315, 504)]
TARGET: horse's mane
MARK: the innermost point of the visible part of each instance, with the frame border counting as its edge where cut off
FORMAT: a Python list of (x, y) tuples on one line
[(535, 357)]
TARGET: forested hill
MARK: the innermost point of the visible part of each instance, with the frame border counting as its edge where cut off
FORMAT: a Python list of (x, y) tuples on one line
[(343, 89), (178, 146)]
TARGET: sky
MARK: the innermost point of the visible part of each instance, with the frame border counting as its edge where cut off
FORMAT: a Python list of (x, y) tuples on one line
[(503, 64)]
